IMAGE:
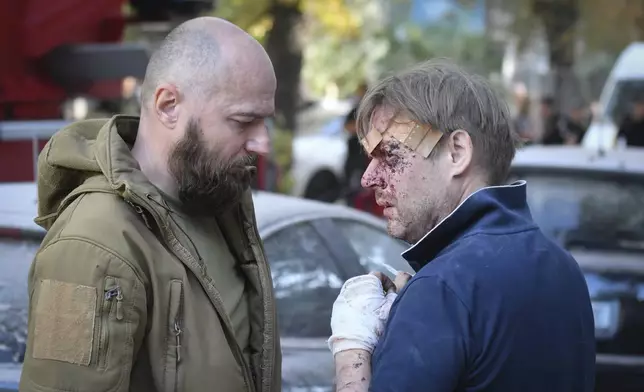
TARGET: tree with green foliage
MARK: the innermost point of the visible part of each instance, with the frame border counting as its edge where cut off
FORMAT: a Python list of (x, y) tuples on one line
[(605, 26), (410, 44), (282, 26), (339, 44)]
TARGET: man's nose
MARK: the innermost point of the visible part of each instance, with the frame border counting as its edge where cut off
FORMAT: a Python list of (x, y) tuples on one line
[(370, 178), (259, 142)]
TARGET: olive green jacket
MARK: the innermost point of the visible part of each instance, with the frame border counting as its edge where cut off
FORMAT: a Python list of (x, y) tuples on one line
[(118, 297)]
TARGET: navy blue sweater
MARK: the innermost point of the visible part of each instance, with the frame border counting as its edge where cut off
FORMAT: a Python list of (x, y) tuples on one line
[(494, 306)]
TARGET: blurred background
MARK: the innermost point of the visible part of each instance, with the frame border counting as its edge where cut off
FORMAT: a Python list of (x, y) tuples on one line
[(65, 60), (571, 71)]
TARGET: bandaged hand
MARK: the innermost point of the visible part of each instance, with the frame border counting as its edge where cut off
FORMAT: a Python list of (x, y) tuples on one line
[(361, 311)]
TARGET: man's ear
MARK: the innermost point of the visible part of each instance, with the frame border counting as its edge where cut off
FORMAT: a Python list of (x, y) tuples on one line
[(460, 151), (166, 104)]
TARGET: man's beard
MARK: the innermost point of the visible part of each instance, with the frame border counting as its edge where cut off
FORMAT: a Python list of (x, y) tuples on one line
[(207, 185)]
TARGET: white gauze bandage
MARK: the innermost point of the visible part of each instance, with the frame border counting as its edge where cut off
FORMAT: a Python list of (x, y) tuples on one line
[(359, 314)]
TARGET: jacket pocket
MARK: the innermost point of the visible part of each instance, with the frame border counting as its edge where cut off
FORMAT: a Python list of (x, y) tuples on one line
[(87, 320), (174, 332), (111, 311)]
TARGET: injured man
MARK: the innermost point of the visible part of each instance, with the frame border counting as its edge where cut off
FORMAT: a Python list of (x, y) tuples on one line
[(494, 306)]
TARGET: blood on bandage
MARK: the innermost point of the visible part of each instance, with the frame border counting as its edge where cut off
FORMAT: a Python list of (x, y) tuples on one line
[(417, 137)]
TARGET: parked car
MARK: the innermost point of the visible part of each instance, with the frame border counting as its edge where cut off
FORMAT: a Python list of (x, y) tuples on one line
[(312, 247), (593, 204), (318, 166), (319, 151)]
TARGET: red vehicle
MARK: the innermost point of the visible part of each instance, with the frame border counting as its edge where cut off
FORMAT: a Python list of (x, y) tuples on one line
[(366, 201), (55, 50)]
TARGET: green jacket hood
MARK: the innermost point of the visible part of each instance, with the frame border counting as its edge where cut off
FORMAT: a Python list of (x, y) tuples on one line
[(86, 156)]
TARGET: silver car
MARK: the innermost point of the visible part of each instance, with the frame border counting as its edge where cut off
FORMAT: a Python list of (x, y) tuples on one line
[(312, 248), (592, 203)]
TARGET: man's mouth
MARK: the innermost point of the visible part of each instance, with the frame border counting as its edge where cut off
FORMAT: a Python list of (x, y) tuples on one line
[(382, 201)]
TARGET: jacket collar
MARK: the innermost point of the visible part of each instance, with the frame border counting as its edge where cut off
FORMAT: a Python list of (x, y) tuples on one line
[(495, 209), (113, 153)]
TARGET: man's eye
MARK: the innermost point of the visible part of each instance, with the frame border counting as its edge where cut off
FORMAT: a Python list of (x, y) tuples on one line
[(386, 155), (381, 156), (241, 125), (390, 158)]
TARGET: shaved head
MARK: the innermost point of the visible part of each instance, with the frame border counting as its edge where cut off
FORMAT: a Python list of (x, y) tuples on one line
[(199, 54), (207, 92)]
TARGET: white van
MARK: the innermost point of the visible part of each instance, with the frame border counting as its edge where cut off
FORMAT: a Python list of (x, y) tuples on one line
[(625, 81)]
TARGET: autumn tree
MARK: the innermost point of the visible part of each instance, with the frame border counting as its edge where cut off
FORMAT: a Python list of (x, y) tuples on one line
[(610, 25), (386, 40), (450, 38), (282, 26), (599, 25), (339, 44)]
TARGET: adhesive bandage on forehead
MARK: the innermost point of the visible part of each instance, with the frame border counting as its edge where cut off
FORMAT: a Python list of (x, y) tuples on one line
[(417, 137)]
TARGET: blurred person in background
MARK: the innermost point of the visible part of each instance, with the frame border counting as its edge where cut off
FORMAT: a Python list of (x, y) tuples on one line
[(578, 119), (550, 120), (355, 164), (360, 92), (522, 123), (495, 305), (632, 127), (152, 276), (337, 125), (559, 128), (595, 110), (356, 161)]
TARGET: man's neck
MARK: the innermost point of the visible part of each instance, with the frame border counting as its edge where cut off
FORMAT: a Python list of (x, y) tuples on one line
[(467, 187), (471, 185), (151, 164)]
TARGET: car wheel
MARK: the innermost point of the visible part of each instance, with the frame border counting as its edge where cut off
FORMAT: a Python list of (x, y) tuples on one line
[(323, 186)]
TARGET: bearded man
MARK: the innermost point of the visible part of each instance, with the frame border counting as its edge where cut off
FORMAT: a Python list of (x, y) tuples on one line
[(152, 276)]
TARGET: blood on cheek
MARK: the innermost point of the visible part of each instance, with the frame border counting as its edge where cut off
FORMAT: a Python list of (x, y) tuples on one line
[(390, 161), (395, 160)]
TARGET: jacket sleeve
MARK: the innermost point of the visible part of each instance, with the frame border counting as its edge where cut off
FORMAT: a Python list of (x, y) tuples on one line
[(87, 314), (425, 344)]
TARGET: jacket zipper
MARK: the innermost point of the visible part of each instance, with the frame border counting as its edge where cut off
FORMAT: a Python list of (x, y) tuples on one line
[(175, 315), (254, 237), (112, 294), (178, 329), (182, 254), (177, 334), (139, 211)]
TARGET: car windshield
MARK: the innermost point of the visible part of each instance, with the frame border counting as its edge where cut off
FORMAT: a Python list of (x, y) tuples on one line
[(15, 260), (624, 95), (587, 211), (376, 250)]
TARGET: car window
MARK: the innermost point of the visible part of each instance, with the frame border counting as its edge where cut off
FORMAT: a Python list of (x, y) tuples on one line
[(374, 246), (15, 259), (589, 212), (305, 280), (622, 99)]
